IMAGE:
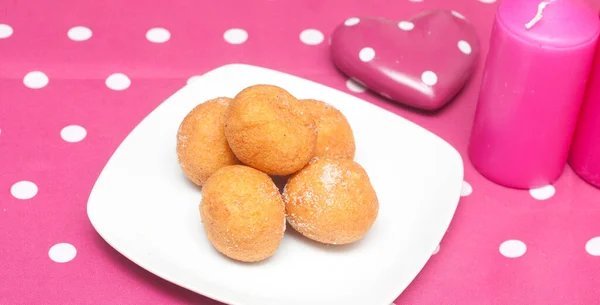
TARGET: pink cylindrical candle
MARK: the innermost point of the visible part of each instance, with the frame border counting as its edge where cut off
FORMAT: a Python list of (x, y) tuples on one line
[(585, 150), (533, 84)]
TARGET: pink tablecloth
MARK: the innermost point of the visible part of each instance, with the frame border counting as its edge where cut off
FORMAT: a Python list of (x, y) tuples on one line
[(60, 125)]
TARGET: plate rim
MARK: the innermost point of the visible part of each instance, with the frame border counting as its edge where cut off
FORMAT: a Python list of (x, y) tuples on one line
[(210, 293)]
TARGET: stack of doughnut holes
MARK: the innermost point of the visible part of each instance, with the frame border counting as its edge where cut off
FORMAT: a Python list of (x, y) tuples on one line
[(236, 148)]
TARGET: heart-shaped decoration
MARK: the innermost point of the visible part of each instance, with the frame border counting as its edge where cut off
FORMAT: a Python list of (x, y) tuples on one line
[(423, 62)]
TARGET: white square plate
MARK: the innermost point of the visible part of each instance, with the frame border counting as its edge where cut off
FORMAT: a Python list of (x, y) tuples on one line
[(144, 207)]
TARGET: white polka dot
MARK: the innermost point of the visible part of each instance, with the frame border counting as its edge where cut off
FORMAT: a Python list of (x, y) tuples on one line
[(5, 31), (487, 1), (542, 193), (194, 79), (513, 248), (311, 37), (62, 253), (593, 246), (464, 47), (158, 35), (73, 133), (24, 190), (429, 78), (35, 80), (235, 36), (355, 86), (118, 81), (351, 21), (406, 25), (466, 189), (458, 15), (79, 33), (437, 249), (366, 54)]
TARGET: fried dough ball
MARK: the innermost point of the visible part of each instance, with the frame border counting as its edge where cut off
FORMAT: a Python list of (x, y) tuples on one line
[(270, 130), (243, 213), (335, 137), (201, 145), (331, 201)]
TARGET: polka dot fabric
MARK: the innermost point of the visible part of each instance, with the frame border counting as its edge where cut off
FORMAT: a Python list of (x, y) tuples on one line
[(75, 82)]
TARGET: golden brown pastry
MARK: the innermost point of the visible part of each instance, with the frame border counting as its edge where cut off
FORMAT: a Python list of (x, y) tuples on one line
[(243, 213), (331, 201), (335, 138), (270, 130), (201, 145)]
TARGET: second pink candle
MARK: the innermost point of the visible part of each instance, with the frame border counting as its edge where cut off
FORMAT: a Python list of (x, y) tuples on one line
[(585, 150), (534, 80)]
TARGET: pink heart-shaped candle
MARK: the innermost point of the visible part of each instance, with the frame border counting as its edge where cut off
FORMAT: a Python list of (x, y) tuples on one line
[(423, 62)]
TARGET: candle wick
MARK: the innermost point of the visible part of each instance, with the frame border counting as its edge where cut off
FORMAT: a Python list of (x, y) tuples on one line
[(538, 16)]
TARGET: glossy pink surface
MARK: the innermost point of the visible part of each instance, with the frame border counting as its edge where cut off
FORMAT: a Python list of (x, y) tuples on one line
[(422, 62), (585, 150), (532, 88)]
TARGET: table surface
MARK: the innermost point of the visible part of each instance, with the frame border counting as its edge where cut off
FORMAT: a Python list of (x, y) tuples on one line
[(60, 125)]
